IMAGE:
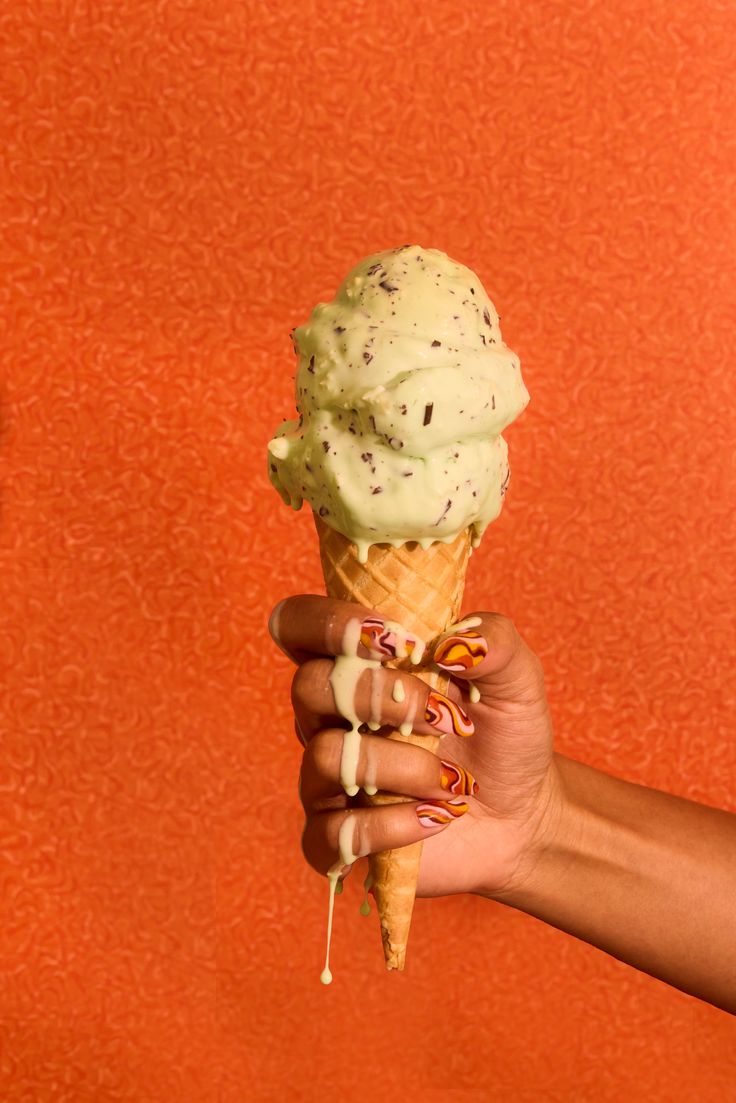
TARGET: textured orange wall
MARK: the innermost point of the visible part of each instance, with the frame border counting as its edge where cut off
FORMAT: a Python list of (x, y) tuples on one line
[(182, 181)]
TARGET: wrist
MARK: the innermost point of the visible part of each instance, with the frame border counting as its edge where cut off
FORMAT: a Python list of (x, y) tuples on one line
[(551, 840), (583, 832)]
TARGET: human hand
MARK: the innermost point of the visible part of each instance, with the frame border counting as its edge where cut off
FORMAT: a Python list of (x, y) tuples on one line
[(503, 772)]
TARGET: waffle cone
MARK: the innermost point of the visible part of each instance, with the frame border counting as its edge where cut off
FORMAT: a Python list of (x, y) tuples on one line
[(422, 589)]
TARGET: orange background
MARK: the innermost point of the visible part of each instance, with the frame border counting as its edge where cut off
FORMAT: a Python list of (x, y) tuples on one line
[(182, 182)]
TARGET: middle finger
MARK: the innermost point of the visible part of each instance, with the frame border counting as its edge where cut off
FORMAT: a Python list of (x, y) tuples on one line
[(381, 698)]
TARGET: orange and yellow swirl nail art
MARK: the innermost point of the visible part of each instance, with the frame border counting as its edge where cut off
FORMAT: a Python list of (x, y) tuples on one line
[(456, 779), (382, 641), (436, 813), (447, 717), (461, 651)]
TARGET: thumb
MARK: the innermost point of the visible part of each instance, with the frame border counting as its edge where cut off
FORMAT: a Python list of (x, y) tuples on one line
[(487, 650)]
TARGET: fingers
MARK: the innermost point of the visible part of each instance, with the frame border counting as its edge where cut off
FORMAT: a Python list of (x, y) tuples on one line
[(393, 767), (484, 648), (326, 841), (379, 698), (487, 650), (311, 625)]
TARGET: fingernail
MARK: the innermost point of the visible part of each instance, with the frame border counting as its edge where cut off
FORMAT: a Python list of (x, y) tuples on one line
[(385, 639), (447, 717), (456, 779), (461, 651), (434, 813)]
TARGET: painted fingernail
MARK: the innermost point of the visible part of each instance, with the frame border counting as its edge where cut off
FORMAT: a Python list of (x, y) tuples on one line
[(447, 717), (385, 639), (456, 779), (461, 651), (435, 813)]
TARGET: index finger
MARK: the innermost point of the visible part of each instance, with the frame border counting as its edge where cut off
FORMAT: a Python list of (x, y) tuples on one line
[(486, 649), (308, 624)]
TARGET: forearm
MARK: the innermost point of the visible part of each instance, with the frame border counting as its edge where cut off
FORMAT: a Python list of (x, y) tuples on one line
[(648, 877)]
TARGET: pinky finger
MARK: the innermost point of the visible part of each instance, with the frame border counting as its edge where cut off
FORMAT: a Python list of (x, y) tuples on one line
[(344, 836)]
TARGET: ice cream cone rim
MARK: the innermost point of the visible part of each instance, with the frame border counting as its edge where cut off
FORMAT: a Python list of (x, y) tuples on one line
[(359, 548)]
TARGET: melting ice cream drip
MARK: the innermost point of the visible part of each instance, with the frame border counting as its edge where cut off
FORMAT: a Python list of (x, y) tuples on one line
[(461, 625), (346, 857), (377, 679), (365, 907), (346, 672), (407, 727)]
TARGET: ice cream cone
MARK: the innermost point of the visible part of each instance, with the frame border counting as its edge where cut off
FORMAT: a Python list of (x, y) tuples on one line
[(422, 589)]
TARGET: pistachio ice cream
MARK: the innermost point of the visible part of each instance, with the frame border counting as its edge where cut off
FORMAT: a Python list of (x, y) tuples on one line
[(403, 388)]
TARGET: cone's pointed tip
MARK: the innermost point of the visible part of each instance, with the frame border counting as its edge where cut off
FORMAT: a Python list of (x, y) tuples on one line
[(395, 958)]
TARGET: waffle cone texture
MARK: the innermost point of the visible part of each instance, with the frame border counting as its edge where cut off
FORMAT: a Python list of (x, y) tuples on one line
[(423, 590)]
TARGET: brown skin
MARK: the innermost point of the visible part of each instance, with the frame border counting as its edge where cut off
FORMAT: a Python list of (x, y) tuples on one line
[(646, 876)]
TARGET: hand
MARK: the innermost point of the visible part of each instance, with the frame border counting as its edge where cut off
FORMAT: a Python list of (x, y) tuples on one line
[(503, 772)]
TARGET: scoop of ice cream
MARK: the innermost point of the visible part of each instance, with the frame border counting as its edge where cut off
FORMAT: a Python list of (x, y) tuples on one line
[(403, 388)]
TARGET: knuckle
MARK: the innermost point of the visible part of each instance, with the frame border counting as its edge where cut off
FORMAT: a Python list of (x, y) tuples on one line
[(535, 665), (510, 641), (307, 680), (529, 673), (322, 754), (536, 671), (505, 631), (310, 849)]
